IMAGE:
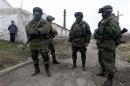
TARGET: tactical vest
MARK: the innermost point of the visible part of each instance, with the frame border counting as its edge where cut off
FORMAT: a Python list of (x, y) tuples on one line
[(103, 35), (102, 31), (79, 30)]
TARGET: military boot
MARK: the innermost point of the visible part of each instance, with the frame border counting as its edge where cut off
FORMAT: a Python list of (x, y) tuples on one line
[(54, 59), (37, 69), (47, 70), (83, 68), (74, 65), (83, 65), (74, 58), (108, 83), (83, 62), (109, 80), (55, 62), (102, 73)]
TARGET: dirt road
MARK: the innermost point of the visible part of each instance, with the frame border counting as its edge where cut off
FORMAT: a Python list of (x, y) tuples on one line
[(62, 75)]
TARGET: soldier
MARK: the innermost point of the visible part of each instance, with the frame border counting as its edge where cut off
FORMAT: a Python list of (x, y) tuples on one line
[(13, 31), (52, 35), (99, 56), (107, 34), (37, 32), (79, 37)]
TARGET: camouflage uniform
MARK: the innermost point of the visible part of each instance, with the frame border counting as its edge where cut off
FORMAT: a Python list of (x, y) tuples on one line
[(79, 36), (52, 35), (99, 54), (38, 31), (107, 34)]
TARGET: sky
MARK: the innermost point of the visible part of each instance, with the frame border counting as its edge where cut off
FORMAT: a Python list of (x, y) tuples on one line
[(88, 7)]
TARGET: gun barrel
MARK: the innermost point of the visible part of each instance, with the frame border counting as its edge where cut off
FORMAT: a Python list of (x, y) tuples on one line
[(124, 30)]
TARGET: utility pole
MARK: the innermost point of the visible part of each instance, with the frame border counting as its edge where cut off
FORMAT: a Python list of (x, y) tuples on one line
[(64, 23)]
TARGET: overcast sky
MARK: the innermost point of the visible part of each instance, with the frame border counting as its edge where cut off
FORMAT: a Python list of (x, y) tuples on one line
[(88, 7)]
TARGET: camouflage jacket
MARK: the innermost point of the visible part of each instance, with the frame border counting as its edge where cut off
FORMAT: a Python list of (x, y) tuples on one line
[(107, 33), (52, 35), (80, 34), (41, 41)]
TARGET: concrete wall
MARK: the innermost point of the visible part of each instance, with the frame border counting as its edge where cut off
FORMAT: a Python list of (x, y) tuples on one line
[(61, 31), (21, 17), (4, 23)]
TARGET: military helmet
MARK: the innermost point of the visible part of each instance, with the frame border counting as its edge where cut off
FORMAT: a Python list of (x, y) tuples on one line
[(78, 14), (37, 9), (107, 8), (50, 18)]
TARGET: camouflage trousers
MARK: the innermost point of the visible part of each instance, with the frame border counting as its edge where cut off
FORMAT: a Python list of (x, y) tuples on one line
[(51, 48), (43, 54), (82, 50), (107, 61)]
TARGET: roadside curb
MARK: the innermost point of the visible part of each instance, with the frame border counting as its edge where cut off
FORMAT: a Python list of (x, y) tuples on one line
[(14, 67)]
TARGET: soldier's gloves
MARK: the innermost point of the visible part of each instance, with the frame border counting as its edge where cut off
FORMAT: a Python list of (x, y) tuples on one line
[(35, 33), (86, 44)]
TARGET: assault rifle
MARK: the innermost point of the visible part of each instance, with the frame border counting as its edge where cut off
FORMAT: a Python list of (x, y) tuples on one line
[(31, 37), (27, 43), (124, 30)]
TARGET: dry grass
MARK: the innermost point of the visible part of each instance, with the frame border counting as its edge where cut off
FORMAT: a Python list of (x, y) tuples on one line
[(124, 49), (12, 54), (62, 48)]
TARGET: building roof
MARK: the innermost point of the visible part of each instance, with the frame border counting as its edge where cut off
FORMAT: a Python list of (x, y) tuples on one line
[(7, 9), (60, 26), (4, 4), (10, 11)]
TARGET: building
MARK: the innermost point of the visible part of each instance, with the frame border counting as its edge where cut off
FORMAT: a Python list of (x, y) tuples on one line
[(21, 17), (4, 4), (62, 32)]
